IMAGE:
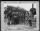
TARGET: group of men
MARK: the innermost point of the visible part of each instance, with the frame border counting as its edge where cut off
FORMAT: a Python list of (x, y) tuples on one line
[(15, 18)]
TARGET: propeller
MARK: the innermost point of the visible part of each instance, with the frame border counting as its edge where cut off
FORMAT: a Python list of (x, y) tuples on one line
[(33, 10)]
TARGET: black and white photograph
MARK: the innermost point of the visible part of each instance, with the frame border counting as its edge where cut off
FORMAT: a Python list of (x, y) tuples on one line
[(19, 16)]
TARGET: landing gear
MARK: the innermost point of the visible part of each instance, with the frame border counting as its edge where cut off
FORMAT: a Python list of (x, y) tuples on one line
[(30, 22)]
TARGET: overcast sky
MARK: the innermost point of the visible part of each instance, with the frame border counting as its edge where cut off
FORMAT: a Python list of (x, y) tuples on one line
[(26, 6)]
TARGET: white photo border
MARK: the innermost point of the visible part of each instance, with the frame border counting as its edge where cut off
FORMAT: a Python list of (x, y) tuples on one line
[(2, 13)]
